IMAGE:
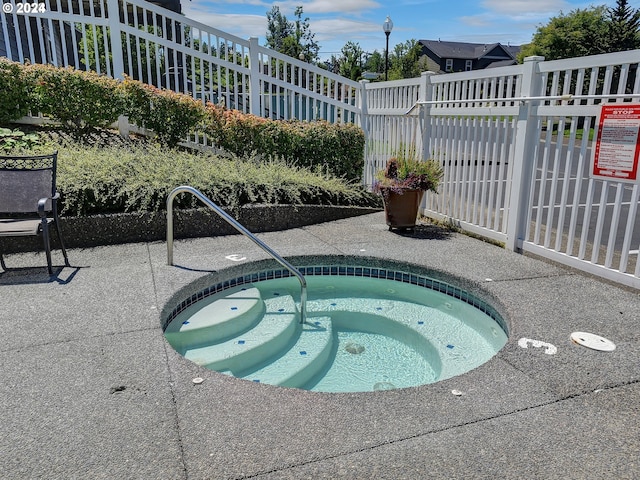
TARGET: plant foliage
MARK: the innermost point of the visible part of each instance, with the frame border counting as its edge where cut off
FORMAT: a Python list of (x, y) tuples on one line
[(406, 172), (15, 94), (170, 115), (17, 140), (80, 100), (338, 149), (138, 178)]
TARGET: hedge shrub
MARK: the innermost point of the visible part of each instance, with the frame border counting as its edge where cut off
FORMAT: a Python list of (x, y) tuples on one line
[(79, 100), (170, 115), (16, 93), (139, 178), (336, 148), (86, 100)]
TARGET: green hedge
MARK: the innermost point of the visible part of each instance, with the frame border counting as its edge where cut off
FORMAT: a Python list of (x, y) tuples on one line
[(83, 101), (336, 148), (172, 116), (15, 91), (138, 178), (79, 100)]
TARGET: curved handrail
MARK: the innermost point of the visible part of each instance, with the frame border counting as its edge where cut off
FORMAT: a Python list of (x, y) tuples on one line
[(234, 223)]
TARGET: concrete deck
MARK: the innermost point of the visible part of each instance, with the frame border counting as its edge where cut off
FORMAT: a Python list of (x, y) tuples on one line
[(90, 389)]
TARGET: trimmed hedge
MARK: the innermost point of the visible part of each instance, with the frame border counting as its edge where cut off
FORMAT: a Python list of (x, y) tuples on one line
[(336, 148), (172, 116), (83, 101), (15, 91), (138, 178), (77, 99)]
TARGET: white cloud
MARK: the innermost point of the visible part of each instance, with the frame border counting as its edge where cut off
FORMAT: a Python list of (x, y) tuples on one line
[(525, 8), (287, 7), (328, 29), (243, 26)]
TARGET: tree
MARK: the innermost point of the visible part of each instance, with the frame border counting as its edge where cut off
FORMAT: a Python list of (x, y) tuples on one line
[(352, 61), (291, 38), (624, 27), (405, 61), (374, 62), (578, 33)]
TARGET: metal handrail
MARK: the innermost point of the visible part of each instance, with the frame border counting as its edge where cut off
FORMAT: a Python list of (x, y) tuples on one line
[(231, 221)]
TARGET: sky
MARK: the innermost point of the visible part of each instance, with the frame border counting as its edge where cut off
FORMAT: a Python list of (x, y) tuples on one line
[(336, 22)]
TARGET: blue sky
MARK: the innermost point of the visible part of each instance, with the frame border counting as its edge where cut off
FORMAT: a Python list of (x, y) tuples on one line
[(335, 22)]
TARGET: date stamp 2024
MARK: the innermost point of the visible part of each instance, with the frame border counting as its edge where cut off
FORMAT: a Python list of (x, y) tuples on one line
[(24, 8)]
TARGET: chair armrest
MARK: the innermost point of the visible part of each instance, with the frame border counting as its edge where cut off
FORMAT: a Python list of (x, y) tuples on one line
[(42, 203)]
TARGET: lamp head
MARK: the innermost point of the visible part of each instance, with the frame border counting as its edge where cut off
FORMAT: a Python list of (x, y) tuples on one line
[(387, 26)]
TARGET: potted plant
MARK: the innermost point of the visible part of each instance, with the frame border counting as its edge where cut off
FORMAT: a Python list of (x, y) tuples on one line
[(402, 184)]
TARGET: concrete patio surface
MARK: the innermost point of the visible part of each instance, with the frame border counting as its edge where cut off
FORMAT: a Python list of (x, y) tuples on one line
[(90, 389)]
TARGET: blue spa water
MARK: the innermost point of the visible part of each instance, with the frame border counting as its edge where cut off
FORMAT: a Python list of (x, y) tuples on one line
[(361, 334)]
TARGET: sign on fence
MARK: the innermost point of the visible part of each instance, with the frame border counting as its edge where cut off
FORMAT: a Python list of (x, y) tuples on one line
[(617, 149)]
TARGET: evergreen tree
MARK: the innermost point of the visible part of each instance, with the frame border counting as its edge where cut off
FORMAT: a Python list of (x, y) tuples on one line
[(624, 27), (291, 38)]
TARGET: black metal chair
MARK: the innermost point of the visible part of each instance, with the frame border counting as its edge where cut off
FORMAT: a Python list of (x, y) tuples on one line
[(28, 199)]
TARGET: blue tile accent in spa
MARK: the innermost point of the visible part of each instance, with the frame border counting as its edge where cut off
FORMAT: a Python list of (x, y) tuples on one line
[(343, 270)]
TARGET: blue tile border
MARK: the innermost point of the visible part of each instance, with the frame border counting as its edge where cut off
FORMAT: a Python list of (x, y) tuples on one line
[(349, 271)]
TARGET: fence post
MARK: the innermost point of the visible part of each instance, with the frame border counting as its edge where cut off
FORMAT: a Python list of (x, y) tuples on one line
[(426, 95), (115, 34), (254, 77), (526, 143), (364, 124), (362, 104)]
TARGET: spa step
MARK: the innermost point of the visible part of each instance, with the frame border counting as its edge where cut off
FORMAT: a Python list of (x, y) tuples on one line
[(446, 339), (306, 358), (217, 319), (277, 329)]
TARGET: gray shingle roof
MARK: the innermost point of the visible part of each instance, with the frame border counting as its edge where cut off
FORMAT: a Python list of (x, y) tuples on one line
[(465, 50)]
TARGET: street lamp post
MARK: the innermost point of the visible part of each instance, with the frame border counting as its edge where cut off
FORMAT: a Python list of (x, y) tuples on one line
[(387, 26)]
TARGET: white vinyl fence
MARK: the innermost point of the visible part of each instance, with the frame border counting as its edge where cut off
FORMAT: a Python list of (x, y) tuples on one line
[(513, 141), (168, 50), (515, 147)]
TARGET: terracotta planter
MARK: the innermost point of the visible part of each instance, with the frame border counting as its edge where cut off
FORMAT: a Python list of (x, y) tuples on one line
[(401, 210)]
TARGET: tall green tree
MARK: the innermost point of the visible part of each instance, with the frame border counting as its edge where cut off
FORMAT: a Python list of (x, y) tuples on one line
[(624, 27), (580, 32), (293, 38), (374, 62), (352, 61), (405, 60)]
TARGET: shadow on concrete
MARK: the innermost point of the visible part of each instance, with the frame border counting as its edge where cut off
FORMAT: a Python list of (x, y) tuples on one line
[(36, 275), (424, 232)]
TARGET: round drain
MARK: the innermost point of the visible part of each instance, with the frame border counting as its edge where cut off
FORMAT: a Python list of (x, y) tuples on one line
[(595, 342), (354, 348)]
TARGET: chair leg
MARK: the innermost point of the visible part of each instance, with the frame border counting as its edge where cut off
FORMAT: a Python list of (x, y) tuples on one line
[(47, 243), (64, 250)]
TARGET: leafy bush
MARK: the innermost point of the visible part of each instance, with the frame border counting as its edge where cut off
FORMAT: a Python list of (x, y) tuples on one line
[(170, 115), (77, 99), (83, 101), (336, 148), (140, 177), (15, 92), (11, 140)]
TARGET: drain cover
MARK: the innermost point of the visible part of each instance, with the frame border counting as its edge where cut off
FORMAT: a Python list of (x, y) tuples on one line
[(354, 348), (595, 342)]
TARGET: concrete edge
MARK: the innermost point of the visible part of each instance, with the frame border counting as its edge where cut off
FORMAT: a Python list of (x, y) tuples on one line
[(119, 228)]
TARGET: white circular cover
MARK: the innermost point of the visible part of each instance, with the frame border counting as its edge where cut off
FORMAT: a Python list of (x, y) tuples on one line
[(595, 342)]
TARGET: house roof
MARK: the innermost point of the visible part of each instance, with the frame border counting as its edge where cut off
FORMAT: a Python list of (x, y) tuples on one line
[(469, 51)]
